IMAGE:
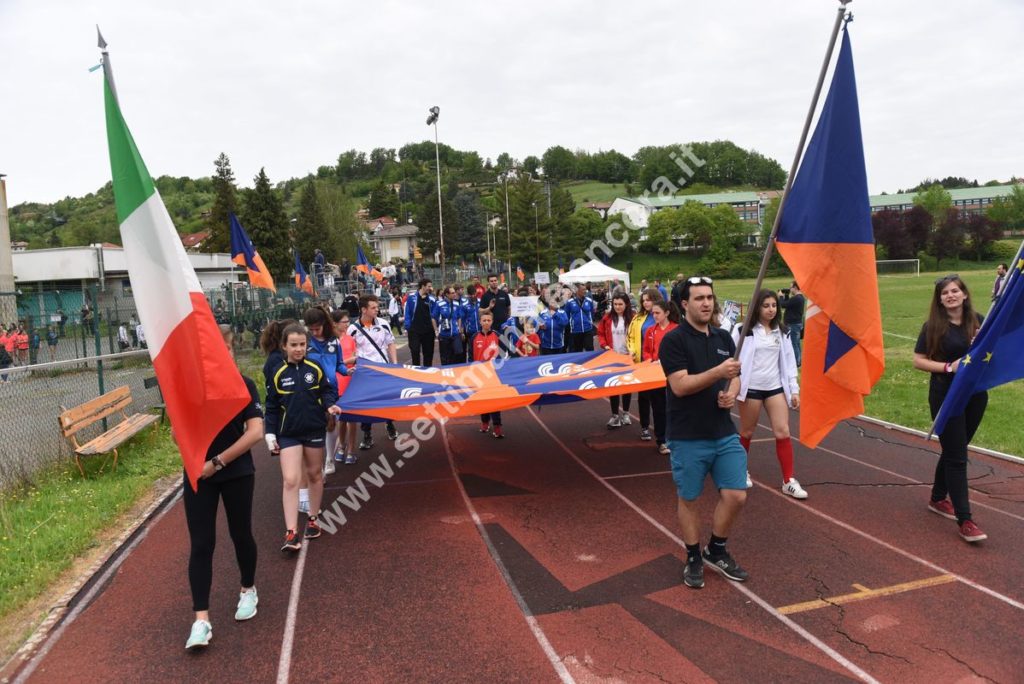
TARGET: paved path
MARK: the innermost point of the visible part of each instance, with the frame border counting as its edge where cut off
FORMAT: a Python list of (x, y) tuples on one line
[(553, 555)]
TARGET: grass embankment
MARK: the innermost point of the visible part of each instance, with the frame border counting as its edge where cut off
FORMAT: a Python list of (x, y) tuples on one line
[(901, 396), (47, 524)]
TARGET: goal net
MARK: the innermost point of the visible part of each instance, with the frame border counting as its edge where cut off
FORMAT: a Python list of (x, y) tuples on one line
[(898, 267)]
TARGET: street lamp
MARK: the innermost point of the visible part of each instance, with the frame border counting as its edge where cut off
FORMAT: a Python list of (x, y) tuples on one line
[(435, 113), (508, 227), (536, 228)]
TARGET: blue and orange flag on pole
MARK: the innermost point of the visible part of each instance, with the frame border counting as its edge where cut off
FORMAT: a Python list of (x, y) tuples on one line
[(826, 239), (244, 254), (363, 264), (994, 357), (519, 273), (302, 281)]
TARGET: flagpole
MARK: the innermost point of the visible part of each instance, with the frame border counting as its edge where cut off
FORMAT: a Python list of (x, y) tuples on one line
[(770, 246), (107, 71)]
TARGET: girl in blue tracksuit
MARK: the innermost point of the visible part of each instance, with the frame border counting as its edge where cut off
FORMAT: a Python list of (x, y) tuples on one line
[(551, 325), (298, 401), (325, 349)]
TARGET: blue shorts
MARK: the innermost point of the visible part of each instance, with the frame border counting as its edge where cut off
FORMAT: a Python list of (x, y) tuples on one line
[(308, 441), (693, 459)]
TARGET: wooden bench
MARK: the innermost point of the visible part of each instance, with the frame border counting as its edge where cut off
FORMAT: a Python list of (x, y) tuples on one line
[(82, 416)]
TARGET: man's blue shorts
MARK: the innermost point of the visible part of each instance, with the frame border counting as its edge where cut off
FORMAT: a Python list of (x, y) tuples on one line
[(311, 441), (693, 459)]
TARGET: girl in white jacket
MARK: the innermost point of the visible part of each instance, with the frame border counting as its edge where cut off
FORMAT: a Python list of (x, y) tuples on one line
[(768, 377)]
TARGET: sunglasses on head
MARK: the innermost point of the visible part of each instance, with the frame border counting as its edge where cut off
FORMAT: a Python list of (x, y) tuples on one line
[(946, 278), (698, 280)]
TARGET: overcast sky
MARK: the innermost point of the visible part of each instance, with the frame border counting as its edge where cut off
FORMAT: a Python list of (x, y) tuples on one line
[(290, 85)]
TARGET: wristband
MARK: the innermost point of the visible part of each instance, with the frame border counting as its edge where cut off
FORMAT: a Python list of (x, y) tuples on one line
[(949, 367), (217, 463)]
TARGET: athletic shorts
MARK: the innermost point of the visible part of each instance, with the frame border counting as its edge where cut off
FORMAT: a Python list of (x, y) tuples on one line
[(761, 395), (314, 442), (693, 459)]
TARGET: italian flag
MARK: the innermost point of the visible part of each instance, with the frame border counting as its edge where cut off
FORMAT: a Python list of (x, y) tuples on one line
[(198, 378)]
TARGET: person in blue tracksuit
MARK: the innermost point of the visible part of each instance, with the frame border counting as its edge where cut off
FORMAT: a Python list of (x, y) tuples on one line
[(580, 310), (470, 317), (448, 322), (298, 401), (325, 349), (551, 325)]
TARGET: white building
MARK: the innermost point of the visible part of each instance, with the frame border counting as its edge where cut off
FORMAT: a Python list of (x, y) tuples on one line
[(394, 241)]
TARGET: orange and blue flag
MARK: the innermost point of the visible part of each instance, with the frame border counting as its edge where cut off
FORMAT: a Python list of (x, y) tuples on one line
[(244, 254), (994, 357), (826, 239), (363, 264), (519, 273), (302, 281)]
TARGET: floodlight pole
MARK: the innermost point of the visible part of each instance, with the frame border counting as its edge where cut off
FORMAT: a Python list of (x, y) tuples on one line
[(437, 158), (508, 229), (770, 243)]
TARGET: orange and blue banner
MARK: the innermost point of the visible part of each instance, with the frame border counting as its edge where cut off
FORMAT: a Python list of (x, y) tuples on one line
[(363, 264), (381, 391), (244, 254), (826, 239), (519, 273), (302, 281)]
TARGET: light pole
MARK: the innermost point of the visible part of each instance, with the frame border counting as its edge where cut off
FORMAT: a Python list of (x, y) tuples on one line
[(435, 113), (536, 228), (508, 228)]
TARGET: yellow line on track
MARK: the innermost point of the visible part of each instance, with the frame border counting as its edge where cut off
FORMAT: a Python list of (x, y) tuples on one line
[(863, 593)]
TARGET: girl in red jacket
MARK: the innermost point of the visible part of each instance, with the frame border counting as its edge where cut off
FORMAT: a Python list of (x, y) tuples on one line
[(612, 333), (485, 346), (666, 319)]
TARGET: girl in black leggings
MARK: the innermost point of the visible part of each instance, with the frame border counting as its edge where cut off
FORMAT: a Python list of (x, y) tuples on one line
[(944, 339), (228, 476)]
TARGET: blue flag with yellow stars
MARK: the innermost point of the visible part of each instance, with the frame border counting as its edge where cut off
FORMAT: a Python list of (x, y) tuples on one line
[(995, 357)]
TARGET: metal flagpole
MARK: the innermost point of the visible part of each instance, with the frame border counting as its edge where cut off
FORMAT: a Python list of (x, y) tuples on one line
[(770, 246)]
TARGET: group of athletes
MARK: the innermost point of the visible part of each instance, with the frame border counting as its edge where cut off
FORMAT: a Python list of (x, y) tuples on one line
[(309, 364)]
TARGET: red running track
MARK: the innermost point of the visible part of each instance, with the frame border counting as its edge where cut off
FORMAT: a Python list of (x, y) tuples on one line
[(552, 555)]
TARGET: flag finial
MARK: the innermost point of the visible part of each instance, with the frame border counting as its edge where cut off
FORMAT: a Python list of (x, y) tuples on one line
[(102, 44)]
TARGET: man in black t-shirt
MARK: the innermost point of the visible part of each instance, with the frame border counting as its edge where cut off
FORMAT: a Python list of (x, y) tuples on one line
[(496, 301), (793, 303), (702, 384)]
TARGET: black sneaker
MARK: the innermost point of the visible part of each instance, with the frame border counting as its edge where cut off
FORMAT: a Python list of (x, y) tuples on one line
[(367, 442), (693, 574), (312, 529), (392, 432), (726, 565), (292, 541)]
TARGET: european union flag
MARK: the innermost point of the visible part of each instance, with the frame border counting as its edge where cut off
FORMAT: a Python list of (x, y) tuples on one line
[(995, 356)]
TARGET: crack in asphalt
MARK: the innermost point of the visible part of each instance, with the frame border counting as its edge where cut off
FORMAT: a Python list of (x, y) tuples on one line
[(957, 660)]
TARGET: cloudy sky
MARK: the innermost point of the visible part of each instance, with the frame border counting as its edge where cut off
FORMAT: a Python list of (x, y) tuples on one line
[(290, 85)]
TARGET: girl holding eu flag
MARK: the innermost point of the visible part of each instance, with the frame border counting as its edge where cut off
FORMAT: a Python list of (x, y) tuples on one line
[(943, 342)]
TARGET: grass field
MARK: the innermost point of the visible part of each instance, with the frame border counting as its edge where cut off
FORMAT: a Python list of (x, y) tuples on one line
[(594, 191), (901, 396)]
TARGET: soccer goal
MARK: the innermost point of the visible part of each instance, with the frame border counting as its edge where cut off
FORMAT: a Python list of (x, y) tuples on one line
[(886, 267)]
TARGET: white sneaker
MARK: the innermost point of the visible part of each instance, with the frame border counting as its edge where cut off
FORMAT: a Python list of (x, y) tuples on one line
[(247, 601), (614, 422), (200, 635), (624, 419), (750, 483), (794, 489), (329, 466)]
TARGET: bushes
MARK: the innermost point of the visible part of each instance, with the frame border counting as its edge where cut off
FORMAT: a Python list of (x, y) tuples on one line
[(1004, 250)]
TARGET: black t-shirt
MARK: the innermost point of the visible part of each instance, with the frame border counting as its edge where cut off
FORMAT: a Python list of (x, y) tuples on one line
[(793, 308), (696, 416), (502, 305), (243, 465), (422, 321), (954, 345)]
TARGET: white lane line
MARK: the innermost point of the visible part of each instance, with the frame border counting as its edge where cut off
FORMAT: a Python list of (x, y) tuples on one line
[(906, 554), (902, 337), (531, 620), (620, 477), (284, 665), (770, 609)]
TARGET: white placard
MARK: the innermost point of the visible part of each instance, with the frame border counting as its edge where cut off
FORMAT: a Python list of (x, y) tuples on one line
[(542, 278), (523, 306)]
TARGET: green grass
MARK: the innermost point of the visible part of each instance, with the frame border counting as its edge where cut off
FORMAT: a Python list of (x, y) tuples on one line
[(651, 266), (44, 526), (901, 396), (595, 191)]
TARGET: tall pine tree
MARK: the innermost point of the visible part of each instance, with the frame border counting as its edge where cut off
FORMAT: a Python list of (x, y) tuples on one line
[(225, 201), (265, 221), (310, 232)]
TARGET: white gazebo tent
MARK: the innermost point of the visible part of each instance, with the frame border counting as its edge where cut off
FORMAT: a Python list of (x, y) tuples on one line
[(594, 272)]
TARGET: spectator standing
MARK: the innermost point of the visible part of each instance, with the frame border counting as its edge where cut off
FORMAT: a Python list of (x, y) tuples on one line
[(52, 338), (21, 343), (1000, 283), (34, 340), (793, 304), (497, 301), (661, 289)]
